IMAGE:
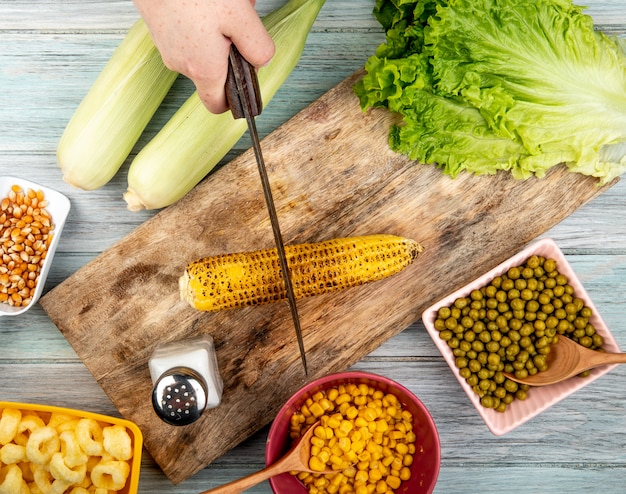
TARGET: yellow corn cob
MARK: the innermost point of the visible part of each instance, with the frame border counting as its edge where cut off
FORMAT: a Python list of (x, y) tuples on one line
[(253, 278)]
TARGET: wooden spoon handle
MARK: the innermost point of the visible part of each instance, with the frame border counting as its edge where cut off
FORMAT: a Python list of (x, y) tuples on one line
[(240, 485), (610, 358)]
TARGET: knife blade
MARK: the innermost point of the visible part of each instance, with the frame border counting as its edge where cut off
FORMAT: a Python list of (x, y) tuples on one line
[(244, 98)]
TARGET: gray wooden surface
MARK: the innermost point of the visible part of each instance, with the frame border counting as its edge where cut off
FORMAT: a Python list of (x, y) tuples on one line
[(51, 51)]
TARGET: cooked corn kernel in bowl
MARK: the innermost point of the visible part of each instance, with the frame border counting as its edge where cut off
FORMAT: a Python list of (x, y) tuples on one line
[(375, 434), (31, 220)]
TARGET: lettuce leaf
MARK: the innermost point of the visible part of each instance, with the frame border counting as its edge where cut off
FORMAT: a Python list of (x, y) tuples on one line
[(488, 85)]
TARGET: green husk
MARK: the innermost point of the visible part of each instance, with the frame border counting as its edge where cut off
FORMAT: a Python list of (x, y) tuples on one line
[(111, 117), (194, 141)]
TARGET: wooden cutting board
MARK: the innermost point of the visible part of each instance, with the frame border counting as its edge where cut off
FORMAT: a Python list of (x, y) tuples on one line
[(333, 175)]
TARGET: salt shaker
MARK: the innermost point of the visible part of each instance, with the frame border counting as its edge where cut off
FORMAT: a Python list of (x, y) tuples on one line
[(186, 380)]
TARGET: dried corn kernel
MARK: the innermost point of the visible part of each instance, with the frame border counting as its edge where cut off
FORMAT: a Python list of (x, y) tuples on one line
[(26, 231)]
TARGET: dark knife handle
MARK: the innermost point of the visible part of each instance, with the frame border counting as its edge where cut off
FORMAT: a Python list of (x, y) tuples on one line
[(242, 86)]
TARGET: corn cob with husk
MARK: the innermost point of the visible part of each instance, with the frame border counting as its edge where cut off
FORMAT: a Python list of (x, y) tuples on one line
[(194, 141), (254, 278), (116, 110)]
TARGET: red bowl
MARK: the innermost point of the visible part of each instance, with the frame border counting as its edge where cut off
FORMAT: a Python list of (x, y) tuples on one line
[(427, 459)]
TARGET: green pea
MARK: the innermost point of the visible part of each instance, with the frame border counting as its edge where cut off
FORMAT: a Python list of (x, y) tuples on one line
[(532, 262), (465, 373), (443, 313), (501, 322), (478, 327), (563, 326), (474, 366), (513, 293), (532, 306), (510, 386), (473, 314), (520, 374), (549, 265), (580, 322), (598, 341), (469, 337), (493, 347), (526, 329), (493, 359), (446, 335), (487, 401), (478, 346), (483, 384), (512, 350), (467, 322), (490, 291), (505, 341)]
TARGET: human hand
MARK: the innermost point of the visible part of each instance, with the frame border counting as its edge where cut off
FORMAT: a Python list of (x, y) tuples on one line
[(194, 39)]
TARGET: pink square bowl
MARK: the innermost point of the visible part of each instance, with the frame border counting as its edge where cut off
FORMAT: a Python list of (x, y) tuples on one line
[(539, 398)]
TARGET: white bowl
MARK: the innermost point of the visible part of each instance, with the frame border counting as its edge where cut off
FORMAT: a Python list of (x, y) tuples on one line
[(539, 398), (58, 207)]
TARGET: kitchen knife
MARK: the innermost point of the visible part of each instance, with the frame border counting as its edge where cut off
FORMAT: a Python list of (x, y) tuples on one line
[(244, 98)]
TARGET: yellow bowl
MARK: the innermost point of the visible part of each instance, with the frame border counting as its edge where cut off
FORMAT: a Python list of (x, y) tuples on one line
[(44, 411)]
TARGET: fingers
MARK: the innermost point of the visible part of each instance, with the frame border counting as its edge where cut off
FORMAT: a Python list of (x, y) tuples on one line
[(211, 80), (251, 38)]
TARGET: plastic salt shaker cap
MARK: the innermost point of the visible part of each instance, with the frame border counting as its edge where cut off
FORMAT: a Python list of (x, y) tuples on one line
[(180, 396)]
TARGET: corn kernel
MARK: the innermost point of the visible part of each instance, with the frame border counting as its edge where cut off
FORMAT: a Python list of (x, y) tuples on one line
[(316, 464), (316, 409), (346, 426), (345, 444), (405, 473), (361, 476), (402, 448), (343, 398), (334, 421), (381, 487), (375, 475), (332, 394), (393, 481)]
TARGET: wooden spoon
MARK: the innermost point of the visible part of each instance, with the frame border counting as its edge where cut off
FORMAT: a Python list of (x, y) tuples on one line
[(566, 359), (297, 459)]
